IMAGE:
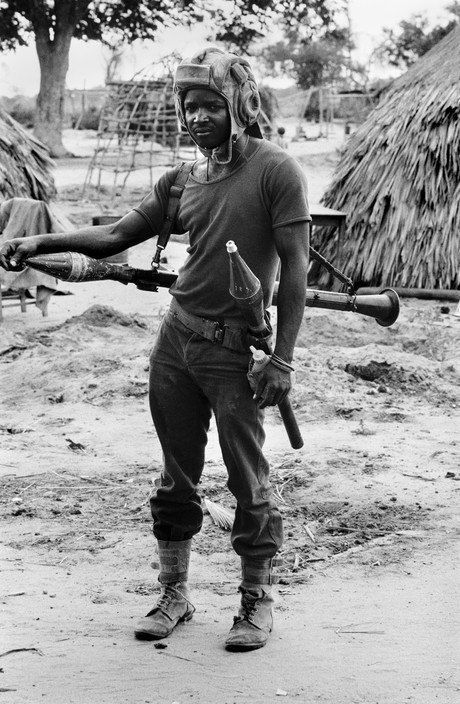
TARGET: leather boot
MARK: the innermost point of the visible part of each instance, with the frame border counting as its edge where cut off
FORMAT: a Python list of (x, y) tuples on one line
[(254, 623), (173, 605)]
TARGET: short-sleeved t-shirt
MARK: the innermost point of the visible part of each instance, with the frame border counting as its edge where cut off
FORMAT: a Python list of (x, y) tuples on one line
[(268, 190)]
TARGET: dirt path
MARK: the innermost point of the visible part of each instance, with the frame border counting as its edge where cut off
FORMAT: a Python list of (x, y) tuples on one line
[(368, 608), (367, 611), (352, 633)]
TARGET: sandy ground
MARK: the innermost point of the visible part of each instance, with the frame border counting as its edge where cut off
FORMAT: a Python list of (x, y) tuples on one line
[(367, 608)]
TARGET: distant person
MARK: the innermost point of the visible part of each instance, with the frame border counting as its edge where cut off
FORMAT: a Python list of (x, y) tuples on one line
[(267, 132), (242, 188), (280, 138)]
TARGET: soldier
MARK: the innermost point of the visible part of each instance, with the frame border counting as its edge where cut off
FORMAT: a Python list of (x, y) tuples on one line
[(249, 190)]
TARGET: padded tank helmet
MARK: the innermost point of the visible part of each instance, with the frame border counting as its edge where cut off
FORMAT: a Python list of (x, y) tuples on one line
[(231, 77)]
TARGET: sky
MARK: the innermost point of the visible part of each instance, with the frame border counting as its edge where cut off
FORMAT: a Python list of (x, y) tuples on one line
[(19, 71)]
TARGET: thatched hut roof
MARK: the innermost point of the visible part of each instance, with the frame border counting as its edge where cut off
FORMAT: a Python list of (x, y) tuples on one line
[(398, 179), (25, 166)]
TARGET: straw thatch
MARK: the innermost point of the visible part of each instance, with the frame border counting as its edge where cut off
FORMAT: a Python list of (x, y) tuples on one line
[(398, 180), (25, 166)]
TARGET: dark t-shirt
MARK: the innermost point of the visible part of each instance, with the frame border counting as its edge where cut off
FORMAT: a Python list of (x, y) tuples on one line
[(267, 191)]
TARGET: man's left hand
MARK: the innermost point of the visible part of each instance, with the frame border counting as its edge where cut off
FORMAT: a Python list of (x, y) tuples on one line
[(272, 385)]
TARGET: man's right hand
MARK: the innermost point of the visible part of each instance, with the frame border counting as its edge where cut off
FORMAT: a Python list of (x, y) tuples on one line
[(14, 252)]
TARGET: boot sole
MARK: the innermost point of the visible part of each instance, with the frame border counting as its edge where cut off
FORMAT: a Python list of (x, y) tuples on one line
[(235, 648), (148, 635)]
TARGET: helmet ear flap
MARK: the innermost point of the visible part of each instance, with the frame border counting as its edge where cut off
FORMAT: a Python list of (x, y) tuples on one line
[(247, 99)]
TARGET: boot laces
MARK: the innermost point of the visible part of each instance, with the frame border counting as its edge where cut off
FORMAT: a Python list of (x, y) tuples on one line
[(169, 593), (249, 606)]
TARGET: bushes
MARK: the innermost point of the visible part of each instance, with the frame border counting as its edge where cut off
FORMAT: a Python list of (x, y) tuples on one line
[(88, 121), (21, 108)]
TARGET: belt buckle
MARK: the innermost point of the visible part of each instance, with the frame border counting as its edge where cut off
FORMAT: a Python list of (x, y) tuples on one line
[(219, 333)]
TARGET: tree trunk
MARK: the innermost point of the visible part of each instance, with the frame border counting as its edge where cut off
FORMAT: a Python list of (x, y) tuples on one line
[(53, 56)]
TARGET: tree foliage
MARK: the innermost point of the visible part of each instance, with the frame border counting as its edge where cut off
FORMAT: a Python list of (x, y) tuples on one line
[(317, 54), (53, 24), (99, 21), (310, 63), (237, 23), (413, 39)]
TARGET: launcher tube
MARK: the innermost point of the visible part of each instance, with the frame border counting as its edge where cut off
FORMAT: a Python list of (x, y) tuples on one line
[(384, 306)]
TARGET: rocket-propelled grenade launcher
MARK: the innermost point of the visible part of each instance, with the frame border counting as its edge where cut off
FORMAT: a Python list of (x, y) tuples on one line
[(246, 291), (73, 266)]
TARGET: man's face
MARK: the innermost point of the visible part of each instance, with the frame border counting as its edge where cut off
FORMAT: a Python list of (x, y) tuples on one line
[(207, 117)]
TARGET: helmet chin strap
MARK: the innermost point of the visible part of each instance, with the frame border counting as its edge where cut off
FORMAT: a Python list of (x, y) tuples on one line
[(237, 152), (222, 154)]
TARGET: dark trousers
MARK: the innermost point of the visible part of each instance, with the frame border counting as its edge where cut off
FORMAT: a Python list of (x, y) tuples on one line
[(190, 378)]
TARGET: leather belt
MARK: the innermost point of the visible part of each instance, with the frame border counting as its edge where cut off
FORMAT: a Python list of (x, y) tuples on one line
[(234, 338)]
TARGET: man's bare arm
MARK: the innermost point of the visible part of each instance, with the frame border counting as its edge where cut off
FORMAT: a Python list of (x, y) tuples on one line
[(292, 243), (97, 241)]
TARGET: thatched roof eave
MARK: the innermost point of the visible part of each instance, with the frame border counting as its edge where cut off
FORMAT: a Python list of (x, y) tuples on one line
[(25, 165), (398, 180)]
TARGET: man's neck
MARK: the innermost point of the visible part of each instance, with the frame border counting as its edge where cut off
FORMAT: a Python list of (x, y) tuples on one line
[(208, 169)]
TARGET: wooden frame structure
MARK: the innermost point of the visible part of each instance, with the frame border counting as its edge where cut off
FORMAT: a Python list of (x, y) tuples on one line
[(138, 129)]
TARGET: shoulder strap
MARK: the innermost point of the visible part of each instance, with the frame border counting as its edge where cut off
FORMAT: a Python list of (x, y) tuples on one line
[(175, 193)]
